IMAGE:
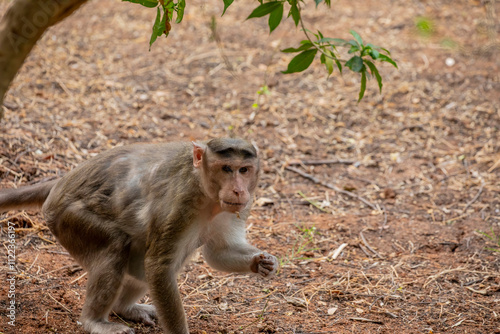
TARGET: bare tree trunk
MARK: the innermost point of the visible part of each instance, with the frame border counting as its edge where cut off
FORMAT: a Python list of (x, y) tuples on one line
[(21, 27)]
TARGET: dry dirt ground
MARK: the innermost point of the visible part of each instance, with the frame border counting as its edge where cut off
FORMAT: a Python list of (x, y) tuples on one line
[(424, 154)]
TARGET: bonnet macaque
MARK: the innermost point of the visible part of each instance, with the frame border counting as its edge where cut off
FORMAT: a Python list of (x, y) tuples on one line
[(133, 215)]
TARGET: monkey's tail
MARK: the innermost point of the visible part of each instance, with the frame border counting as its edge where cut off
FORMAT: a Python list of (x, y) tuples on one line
[(25, 197)]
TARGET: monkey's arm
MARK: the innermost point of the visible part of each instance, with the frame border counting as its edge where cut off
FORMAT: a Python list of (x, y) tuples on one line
[(162, 280), (168, 246), (228, 250)]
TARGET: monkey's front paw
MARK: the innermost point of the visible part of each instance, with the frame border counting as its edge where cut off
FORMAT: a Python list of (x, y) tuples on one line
[(264, 264)]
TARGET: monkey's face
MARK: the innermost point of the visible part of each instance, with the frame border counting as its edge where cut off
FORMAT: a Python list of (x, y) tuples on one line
[(231, 182), (236, 183), (228, 178)]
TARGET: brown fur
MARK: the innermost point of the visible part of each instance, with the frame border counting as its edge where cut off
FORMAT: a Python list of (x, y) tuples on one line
[(26, 197), (133, 215)]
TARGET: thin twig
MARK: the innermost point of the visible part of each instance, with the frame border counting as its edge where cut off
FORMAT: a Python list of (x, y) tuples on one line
[(363, 180), (368, 246), (64, 307), (365, 251), (36, 258), (331, 186), (313, 203), (432, 278), (321, 162), (291, 207), (367, 320), (75, 268), (339, 250), (78, 278), (313, 43), (218, 42), (458, 323), (259, 317), (57, 252), (41, 289), (475, 197), (121, 319), (384, 224)]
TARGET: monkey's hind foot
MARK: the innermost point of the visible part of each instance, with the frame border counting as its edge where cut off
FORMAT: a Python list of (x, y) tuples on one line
[(139, 313), (104, 327)]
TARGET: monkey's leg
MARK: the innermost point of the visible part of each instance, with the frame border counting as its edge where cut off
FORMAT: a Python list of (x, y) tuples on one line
[(103, 251), (105, 279), (127, 307)]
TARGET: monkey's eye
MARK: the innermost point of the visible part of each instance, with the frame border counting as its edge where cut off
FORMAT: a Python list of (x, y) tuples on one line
[(227, 169), (243, 170)]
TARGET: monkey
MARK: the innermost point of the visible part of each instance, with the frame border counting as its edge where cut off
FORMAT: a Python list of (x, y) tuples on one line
[(132, 216)]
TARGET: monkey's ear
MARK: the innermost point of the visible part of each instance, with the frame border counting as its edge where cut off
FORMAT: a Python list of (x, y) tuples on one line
[(254, 144), (198, 151)]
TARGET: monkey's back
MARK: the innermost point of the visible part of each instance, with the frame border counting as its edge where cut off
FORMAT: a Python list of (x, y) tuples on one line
[(110, 189)]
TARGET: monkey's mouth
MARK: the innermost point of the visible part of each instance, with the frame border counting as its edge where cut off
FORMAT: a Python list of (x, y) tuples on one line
[(236, 205)]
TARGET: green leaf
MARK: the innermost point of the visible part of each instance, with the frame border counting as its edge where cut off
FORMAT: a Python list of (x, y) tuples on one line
[(154, 34), (265, 9), (374, 54), (328, 61), (339, 65), (355, 64), (303, 47), (370, 45), (180, 10), (387, 59), (354, 46), (375, 73), (294, 11), (145, 3), (334, 41), (318, 2), (357, 37), (387, 51), (275, 18), (301, 61), (363, 85), (227, 3)]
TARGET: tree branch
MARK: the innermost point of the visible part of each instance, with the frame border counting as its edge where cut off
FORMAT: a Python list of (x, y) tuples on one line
[(331, 186)]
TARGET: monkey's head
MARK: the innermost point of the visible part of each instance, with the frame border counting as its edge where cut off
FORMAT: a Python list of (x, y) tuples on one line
[(229, 170)]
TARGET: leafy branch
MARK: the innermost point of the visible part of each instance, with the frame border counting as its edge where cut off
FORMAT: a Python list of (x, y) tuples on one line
[(360, 62), (164, 15), (363, 55)]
